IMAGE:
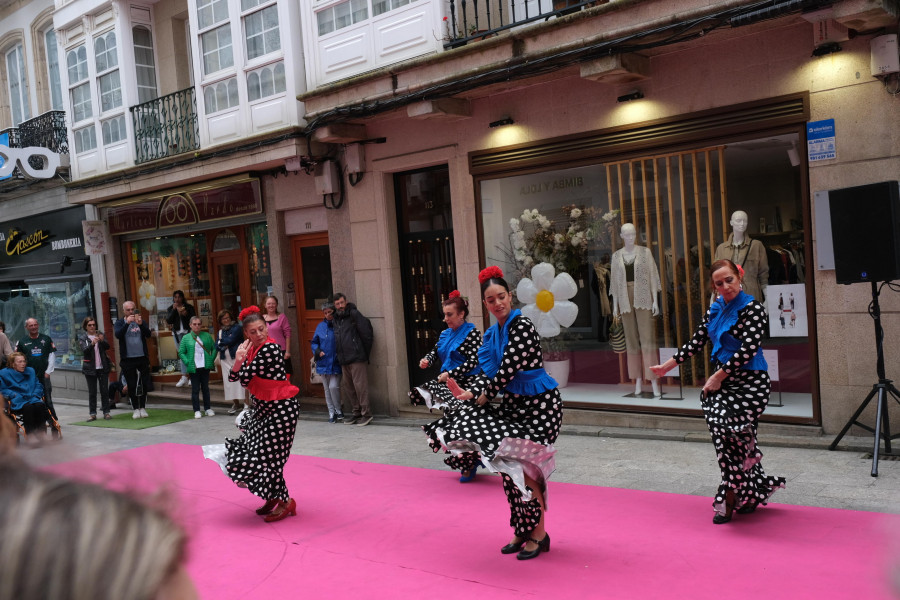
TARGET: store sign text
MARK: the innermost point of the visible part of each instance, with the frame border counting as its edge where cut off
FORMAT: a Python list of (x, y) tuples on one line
[(558, 184), (18, 243)]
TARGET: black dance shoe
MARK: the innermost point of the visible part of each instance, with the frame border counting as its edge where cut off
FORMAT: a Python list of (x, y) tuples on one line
[(512, 547), (748, 508), (542, 546), (719, 519)]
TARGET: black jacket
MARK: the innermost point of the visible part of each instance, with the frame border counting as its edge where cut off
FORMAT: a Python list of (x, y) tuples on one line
[(352, 335), (172, 317), (88, 366)]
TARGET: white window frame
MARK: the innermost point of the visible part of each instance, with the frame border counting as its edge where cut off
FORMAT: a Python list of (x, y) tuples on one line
[(217, 87), (21, 96), (258, 71), (121, 128), (54, 82), (142, 89), (82, 77), (220, 23), (106, 74), (253, 11), (78, 137)]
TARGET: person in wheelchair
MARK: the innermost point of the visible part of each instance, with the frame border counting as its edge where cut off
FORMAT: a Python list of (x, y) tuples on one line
[(20, 387)]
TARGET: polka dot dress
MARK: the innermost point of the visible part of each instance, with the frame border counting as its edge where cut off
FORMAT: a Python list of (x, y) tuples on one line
[(732, 412), (440, 395), (257, 458), (515, 437)]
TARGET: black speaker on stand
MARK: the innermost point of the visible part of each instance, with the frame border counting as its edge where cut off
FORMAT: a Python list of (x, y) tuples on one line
[(865, 228)]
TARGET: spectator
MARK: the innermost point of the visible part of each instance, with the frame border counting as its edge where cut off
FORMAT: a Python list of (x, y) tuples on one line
[(179, 318), (198, 354), (353, 342), (279, 330), (40, 352), (230, 337), (117, 389), (327, 365), (5, 348), (132, 333), (20, 387), (95, 366), (65, 540)]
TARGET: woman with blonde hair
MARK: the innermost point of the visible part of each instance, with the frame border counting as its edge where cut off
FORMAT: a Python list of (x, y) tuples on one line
[(63, 540)]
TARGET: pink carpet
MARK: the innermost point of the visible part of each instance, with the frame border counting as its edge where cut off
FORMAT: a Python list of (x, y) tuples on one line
[(378, 531)]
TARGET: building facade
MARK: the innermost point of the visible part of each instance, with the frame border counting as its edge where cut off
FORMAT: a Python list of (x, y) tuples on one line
[(558, 131)]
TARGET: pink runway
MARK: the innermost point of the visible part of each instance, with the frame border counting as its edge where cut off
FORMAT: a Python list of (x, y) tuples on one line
[(379, 531)]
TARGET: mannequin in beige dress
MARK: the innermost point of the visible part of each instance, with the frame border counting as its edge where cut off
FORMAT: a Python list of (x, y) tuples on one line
[(748, 253)]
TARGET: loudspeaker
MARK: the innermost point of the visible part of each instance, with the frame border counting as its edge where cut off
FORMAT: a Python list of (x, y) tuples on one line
[(865, 229)]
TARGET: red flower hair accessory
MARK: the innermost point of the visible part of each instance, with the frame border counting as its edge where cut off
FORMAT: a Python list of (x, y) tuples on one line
[(490, 273), (454, 294), (250, 310), (740, 270)]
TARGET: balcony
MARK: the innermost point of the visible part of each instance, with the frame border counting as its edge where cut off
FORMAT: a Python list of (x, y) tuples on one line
[(470, 20), (165, 126)]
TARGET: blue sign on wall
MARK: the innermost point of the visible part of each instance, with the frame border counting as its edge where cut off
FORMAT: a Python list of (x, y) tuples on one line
[(4, 141), (820, 140)]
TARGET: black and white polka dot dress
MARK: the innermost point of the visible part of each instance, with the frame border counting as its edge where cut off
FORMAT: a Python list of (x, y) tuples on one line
[(257, 458), (439, 394), (732, 412), (513, 438)]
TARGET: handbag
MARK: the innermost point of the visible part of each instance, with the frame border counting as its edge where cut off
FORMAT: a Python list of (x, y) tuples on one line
[(313, 376), (617, 335)]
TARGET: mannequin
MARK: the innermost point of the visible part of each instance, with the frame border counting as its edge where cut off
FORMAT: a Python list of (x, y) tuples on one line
[(634, 286), (750, 254)]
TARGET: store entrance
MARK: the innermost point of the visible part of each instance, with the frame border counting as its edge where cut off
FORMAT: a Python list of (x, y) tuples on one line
[(227, 285), (427, 260), (312, 277)]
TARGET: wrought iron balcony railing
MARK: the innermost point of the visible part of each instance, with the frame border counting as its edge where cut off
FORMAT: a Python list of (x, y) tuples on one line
[(45, 131), (165, 126), (478, 19)]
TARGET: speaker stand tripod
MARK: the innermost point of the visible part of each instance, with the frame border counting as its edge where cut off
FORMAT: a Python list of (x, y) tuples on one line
[(882, 429)]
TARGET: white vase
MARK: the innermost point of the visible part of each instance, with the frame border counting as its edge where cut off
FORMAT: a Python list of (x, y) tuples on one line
[(558, 370)]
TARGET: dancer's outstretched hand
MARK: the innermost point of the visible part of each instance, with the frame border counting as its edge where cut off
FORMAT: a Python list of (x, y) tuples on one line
[(458, 392)]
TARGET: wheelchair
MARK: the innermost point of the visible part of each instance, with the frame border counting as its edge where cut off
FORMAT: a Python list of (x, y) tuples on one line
[(55, 428)]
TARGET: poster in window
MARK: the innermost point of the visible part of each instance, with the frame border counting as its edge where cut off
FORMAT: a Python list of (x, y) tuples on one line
[(786, 306)]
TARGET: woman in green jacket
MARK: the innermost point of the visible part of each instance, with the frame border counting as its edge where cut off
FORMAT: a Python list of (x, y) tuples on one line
[(198, 354)]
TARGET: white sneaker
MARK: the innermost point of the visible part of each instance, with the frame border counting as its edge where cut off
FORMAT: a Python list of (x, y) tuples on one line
[(183, 381), (144, 413), (198, 414), (210, 413), (137, 414)]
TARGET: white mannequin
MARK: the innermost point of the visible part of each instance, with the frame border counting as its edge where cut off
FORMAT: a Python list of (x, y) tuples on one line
[(752, 259), (628, 254)]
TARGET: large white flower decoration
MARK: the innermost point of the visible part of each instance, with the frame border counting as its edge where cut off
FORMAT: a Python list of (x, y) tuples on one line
[(147, 293), (546, 299)]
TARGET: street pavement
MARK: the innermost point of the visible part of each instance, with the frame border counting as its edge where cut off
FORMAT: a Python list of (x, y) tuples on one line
[(660, 461)]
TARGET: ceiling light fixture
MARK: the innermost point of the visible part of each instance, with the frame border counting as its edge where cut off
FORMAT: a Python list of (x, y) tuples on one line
[(635, 95), (501, 122)]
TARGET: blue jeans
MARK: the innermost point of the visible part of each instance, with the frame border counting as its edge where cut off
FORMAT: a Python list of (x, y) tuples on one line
[(200, 381), (181, 365)]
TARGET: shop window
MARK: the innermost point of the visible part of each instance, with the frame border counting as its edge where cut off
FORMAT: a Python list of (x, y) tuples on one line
[(225, 241), (59, 307), (682, 205)]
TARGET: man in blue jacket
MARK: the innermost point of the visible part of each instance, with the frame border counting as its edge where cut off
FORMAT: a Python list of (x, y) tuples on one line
[(353, 339)]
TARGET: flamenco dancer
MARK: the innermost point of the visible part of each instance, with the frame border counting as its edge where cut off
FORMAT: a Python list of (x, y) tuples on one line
[(736, 394), (256, 459), (515, 437), (457, 351)]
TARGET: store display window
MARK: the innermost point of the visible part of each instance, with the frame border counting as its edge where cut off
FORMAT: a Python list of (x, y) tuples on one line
[(641, 233)]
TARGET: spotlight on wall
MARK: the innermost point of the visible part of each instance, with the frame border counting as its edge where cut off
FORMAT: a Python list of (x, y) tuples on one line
[(501, 122), (827, 48), (635, 95)]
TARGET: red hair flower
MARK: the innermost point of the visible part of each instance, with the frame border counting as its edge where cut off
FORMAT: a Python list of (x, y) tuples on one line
[(454, 294), (250, 310), (740, 270), (490, 273)]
